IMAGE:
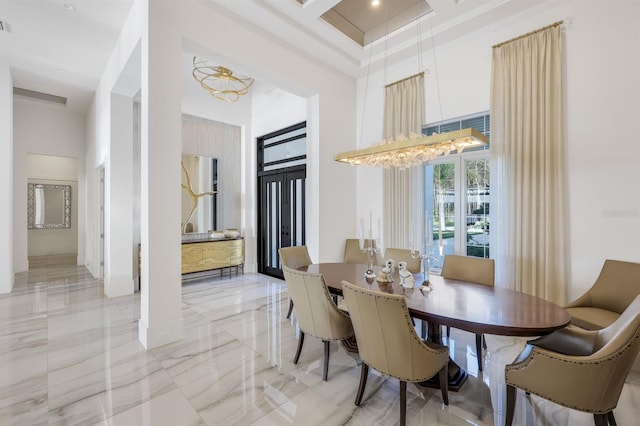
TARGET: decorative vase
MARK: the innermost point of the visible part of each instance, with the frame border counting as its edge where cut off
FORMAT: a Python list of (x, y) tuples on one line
[(217, 235), (231, 233)]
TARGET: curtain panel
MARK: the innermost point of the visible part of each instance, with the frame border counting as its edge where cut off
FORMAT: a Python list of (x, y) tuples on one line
[(528, 206), (403, 189)]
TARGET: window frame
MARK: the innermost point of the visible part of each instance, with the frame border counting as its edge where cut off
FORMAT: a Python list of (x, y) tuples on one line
[(460, 185)]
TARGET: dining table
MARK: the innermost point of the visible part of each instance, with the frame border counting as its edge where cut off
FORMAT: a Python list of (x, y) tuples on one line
[(463, 305)]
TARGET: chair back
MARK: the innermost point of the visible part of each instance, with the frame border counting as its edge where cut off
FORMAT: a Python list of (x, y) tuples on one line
[(403, 255), (295, 257), (619, 342), (617, 285), (621, 329), (315, 310), (353, 254), (467, 268), (386, 338)]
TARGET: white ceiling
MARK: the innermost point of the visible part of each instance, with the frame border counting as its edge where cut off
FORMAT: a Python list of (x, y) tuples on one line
[(61, 52)]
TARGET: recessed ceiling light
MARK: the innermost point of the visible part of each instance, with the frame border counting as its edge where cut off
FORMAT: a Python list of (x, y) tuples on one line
[(69, 7), (375, 3), (61, 70)]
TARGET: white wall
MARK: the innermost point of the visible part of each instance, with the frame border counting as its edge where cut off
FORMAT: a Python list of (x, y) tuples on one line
[(274, 109), (48, 129), (602, 92), (6, 179), (52, 170)]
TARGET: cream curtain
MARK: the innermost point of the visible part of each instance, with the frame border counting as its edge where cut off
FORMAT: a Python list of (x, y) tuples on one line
[(528, 214), (403, 195)]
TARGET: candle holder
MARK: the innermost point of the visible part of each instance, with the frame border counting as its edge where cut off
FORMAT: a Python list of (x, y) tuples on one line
[(426, 256), (372, 250)]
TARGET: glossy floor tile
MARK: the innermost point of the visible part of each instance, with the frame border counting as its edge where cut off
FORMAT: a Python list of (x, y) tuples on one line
[(68, 356)]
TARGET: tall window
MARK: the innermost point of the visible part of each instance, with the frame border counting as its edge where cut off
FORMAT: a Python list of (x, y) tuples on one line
[(457, 196)]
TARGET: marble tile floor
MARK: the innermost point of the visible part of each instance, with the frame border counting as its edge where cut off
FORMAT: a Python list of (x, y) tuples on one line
[(69, 356)]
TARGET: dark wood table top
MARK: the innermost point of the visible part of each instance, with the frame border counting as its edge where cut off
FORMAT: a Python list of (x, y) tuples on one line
[(466, 306)]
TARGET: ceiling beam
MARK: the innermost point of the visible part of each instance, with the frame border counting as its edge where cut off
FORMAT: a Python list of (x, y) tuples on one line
[(317, 8)]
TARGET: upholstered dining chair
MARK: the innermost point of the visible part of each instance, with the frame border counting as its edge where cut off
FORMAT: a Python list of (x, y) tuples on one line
[(616, 287), (294, 257), (580, 369), (474, 269), (388, 343), (353, 254), (316, 312), (403, 255)]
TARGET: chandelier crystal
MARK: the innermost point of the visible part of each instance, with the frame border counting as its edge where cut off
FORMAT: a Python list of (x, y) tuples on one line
[(219, 81), (404, 152)]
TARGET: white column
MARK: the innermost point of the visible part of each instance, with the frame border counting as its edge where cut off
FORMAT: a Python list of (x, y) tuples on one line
[(6, 179), (161, 295), (118, 278)]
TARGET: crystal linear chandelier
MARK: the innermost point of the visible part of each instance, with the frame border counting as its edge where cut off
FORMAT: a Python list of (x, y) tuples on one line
[(404, 152), (219, 81)]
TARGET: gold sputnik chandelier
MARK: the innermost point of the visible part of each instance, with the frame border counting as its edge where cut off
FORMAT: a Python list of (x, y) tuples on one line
[(219, 81), (405, 152)]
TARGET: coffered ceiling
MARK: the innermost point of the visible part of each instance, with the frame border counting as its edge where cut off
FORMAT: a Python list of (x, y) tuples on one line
[(365, 21)]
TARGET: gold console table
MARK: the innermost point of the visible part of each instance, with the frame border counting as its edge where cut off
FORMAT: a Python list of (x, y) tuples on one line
[(209, 255)]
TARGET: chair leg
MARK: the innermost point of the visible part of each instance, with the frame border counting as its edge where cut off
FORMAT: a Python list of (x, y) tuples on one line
[(611, 418), (448, 332), (364, 372), (403, 403), (484, 342), (423, 330), (300, 342), (443, 376), (290, 308), (600, 419), (326, 360), (511, 405), (479, 350)]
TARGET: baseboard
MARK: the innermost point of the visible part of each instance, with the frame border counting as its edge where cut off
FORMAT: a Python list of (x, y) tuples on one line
[(153, 337), (67, 259)]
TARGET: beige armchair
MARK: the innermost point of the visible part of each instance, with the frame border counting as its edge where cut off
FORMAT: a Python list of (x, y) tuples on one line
[(388, 342), (353, 254), (616, 287), (316, 312), (294, 257), (474, 269), (579, 369), (403, 255)]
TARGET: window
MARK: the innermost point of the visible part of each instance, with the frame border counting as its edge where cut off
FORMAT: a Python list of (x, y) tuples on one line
[(457, 196)]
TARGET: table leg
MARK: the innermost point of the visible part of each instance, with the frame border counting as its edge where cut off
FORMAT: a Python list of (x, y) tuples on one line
[(457, 375)]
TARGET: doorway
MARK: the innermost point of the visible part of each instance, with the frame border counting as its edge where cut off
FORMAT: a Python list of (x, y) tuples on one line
[(281, 195)]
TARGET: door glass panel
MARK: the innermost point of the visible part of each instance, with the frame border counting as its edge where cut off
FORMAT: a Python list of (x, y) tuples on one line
[(440, 204), (477, 207), (295, 148)]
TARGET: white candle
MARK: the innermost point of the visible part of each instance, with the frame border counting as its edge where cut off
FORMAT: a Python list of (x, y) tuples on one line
[(370, 224)]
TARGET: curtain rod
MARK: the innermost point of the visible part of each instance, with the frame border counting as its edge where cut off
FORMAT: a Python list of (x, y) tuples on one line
[(555, 24), (420, 74)]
